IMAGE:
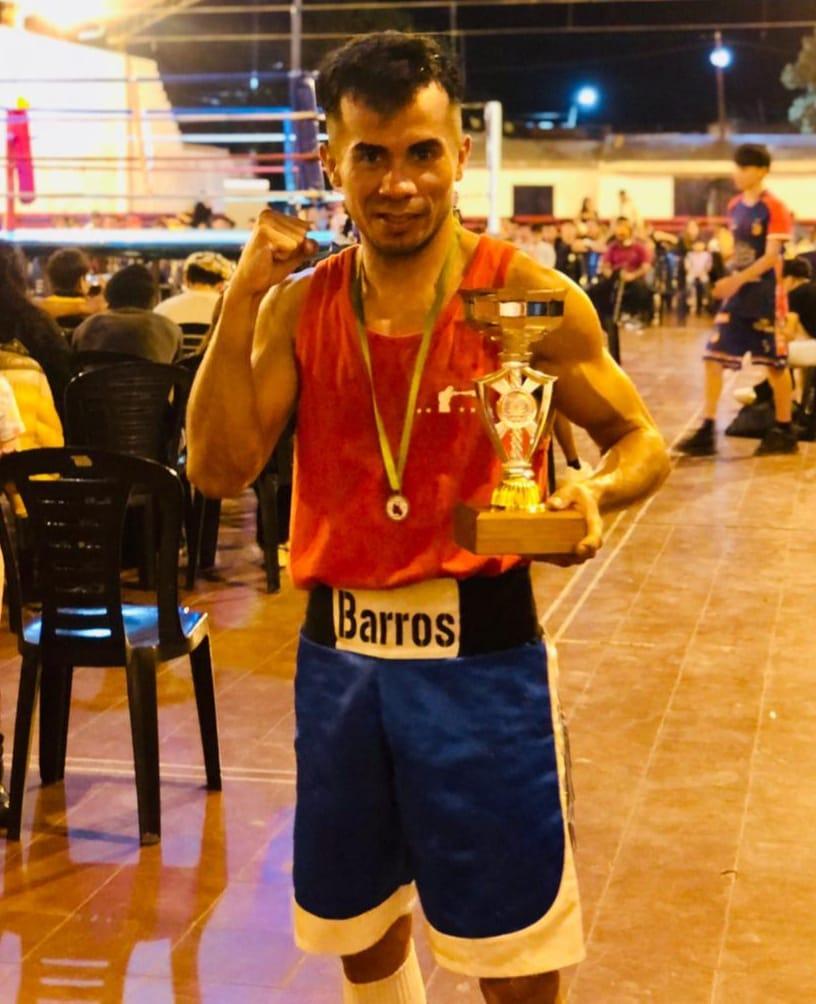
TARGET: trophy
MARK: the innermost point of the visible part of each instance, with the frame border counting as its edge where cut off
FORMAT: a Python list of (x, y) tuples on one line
[(516, 406)]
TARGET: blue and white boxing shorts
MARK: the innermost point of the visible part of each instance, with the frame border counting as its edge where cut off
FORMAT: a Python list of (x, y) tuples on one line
[(431, 759)]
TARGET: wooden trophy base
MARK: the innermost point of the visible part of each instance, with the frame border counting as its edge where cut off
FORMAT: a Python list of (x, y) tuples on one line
[(503, 531)]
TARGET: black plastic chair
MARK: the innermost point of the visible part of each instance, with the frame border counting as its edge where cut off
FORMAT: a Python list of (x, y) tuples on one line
[(205, 516), (89, 359), (192, 337), (76, 504), (135, 408), (130, 407)]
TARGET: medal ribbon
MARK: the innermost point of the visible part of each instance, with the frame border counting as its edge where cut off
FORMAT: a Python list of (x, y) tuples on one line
[(395, 470)]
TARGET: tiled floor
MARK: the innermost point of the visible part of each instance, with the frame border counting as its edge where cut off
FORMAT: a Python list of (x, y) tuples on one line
[(686, 675)]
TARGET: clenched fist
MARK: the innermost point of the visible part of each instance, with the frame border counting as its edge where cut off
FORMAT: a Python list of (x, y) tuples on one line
[(277, 246)]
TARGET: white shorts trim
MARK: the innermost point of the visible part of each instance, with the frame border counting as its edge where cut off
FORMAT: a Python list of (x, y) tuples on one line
[(319, 936), (554, 941)]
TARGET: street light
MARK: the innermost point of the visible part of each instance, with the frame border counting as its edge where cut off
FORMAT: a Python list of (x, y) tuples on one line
[(720, 57), (587, 97)]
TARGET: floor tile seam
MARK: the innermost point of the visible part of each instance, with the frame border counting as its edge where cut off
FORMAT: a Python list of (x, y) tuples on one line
[(581, 697), (767, 674), (638, 517), (641, 782), (643, 583), (115, 705), (284, 717), (163, 670), (38, 836), (80, 762), (69, 917), (283, 777), (579, 573)]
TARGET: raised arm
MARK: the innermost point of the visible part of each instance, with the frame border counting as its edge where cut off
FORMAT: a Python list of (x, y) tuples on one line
[(246, 386)]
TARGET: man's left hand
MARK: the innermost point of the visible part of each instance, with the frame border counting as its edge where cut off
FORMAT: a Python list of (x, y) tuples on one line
[(577, 495)]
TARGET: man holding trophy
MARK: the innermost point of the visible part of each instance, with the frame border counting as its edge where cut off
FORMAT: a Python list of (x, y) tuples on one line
[(423, 365)]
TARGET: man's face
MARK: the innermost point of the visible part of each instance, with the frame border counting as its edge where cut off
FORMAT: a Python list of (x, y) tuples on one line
[(623, 231), (397, 173), (746, 178), (549, 232)]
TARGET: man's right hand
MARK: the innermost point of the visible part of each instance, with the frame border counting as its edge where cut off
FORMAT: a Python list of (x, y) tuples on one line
[(277, 246)]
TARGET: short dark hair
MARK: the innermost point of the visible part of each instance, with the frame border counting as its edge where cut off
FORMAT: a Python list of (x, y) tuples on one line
[(797, 268), (752, 155), (65, 268), (384, 70), (132, 286), (201, 276)]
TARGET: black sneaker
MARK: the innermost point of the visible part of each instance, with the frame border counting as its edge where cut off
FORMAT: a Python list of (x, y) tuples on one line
[(777, 440), (699, 444)]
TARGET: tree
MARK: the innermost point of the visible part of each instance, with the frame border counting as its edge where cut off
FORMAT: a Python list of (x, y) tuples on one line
[(801, 75)]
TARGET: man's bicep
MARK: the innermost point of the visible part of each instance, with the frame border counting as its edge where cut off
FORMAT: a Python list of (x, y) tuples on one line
[(274, 371), (596, 394)]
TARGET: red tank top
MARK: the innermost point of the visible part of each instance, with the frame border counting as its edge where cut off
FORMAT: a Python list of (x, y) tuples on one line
[(341, 535)]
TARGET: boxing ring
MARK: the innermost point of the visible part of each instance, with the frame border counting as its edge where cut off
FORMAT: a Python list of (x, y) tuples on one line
[(97, 156)]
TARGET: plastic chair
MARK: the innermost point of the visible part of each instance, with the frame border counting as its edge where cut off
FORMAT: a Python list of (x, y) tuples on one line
[(206, 513), (135, 408), (89, 359), (130, 407), (76, 504), (192, 337)]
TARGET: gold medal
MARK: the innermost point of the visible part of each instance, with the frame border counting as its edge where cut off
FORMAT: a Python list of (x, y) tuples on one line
[(397, 506)]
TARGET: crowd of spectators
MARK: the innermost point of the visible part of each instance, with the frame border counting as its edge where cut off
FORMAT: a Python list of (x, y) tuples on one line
[(629, 266)]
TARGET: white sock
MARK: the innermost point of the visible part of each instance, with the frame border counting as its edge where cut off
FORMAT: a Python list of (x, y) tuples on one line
[(405, 986)]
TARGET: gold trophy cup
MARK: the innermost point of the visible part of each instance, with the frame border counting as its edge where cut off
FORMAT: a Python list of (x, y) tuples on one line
[(516, 406)]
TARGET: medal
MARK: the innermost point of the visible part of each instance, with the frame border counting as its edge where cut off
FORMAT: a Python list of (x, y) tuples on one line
[(397, 506)]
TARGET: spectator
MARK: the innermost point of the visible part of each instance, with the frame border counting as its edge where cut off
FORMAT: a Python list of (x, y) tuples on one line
[(627, 208), (800, 321), (625, 260), (11, 426), (541, 250), (568, 252), (71, 298), (697, 265), (203, 280), (40, 425), (595, 241), (130, 324), (588, 212), (28, 329)]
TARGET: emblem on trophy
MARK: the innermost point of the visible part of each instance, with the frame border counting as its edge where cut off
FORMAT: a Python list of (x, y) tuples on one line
[(516, 407)]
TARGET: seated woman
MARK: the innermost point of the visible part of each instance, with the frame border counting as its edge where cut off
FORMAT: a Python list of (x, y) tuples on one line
[(34, 332), (11, 427)]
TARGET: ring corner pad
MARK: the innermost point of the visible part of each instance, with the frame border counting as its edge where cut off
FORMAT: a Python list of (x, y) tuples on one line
[(486, 531)]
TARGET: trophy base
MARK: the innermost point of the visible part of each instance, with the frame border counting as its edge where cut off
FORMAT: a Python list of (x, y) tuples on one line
[(503, 531)]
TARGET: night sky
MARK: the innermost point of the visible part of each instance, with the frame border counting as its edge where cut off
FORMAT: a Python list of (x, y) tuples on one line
[(655, 80)]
